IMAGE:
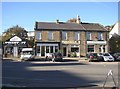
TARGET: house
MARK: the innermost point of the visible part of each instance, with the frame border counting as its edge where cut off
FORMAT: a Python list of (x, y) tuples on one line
[(115, 30), (72, 39)]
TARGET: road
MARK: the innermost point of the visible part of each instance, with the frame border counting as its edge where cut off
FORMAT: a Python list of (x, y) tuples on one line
[(58, 74)]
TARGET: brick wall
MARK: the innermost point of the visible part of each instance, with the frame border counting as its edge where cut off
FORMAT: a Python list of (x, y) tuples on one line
[(56, 36), (44, 35), (94, 35), (70, 35)]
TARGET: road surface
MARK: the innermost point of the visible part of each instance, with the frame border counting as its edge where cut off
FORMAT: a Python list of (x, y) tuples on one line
[(58, 74)]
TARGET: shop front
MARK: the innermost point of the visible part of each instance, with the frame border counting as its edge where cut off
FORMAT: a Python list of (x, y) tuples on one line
[(43, 48), (71, 50)]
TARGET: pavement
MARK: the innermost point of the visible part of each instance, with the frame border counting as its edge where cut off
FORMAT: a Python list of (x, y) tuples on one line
[(69, 60)]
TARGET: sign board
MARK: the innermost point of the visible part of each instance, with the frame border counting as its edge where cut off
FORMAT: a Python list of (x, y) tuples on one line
[(15, 38)]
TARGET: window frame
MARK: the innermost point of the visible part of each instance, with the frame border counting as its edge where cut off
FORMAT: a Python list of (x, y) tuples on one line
[(50, 35), (88, 34), (88, 48), (100, 36), (64, 37), (77, 36), (38, 35)]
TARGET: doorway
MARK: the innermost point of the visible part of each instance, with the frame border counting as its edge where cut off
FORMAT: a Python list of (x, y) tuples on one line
[(64, 51), (42, 50)]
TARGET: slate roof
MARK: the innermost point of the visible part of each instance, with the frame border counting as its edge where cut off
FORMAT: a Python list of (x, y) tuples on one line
[(69, 26), (59, 26), (93, 27)]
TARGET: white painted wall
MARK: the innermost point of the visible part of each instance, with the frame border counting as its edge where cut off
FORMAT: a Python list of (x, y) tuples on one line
[(116, 29)]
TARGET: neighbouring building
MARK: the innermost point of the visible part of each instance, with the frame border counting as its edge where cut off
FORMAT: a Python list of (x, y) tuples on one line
[(31, 35), (12, 47), (115, 30), (70, 38)]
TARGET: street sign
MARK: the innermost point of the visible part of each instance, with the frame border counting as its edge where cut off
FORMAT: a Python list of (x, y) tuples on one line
[(110, 73)]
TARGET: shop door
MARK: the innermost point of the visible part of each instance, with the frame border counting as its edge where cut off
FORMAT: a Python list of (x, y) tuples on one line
[(42, 50), (64, 51)]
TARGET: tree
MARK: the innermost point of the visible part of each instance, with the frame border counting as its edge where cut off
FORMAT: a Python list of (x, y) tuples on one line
[(15, 30), (114, 43)]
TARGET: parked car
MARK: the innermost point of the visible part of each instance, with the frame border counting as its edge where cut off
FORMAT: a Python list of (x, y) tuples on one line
[(106, 57), (92, 56), (54, 56), (27, 54), (117, 56)]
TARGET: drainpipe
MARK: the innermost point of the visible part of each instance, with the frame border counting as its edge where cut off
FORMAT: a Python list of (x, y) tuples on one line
[(61, 42)]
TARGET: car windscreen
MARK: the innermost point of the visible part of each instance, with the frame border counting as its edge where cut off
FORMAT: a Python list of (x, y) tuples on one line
[(106, 54), (27, 52)]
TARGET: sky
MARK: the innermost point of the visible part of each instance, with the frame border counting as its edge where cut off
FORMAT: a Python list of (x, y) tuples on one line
[(25, 14)]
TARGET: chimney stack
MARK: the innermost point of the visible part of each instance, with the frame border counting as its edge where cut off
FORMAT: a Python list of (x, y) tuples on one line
[(57, 21), (78, 19)]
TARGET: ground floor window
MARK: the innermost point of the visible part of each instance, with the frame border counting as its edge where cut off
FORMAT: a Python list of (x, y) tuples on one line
[(71, 50), (51, 49), (47, 49), (43, 49), (74, 49), (90, 48), (102, 48), (56, 48), (38, 49)]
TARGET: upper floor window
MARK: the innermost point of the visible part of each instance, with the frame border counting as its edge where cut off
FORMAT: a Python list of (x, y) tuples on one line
[(64, 35), (50, 35), (100, 36), (38, 35), (88, 34), (76, 35)]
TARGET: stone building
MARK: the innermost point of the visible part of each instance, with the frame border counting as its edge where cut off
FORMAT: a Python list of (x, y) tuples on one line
[(70, 38)]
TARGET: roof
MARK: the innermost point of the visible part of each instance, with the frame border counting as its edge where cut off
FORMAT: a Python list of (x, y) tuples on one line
[(93, 27), (59, 26), (69, 26)]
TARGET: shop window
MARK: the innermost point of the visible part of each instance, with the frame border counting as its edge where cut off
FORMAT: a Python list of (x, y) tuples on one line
[(51, 49), (38, 49), (56, 48), (90, 48), (75, 49), (47, 49)]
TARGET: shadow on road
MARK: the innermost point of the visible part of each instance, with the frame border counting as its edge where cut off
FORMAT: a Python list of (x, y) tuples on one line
[(18, 74)]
